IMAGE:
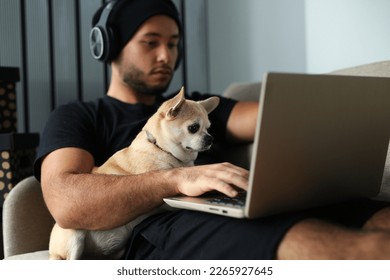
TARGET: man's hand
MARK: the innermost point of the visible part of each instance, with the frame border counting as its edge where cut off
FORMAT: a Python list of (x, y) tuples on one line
[(222, 177)]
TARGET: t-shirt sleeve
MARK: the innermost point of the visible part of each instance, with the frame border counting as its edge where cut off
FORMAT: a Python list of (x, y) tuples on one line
[(69, 125)]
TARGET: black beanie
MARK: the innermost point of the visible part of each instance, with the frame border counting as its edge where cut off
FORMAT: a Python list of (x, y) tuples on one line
[(133, 13)]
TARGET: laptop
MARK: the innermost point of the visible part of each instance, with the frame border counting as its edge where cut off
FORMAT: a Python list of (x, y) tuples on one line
[(319, 139)]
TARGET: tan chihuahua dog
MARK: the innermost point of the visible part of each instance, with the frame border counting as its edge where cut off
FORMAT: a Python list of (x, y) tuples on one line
[(172, 137)]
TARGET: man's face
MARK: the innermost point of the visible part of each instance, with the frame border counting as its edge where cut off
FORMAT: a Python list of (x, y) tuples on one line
[(147, 62)]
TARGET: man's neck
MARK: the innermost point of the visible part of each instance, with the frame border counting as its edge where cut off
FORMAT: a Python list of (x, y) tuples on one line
[(126, 94)]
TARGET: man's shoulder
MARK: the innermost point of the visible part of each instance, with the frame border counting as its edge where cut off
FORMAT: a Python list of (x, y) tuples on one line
[(78, 106), (82, 103)]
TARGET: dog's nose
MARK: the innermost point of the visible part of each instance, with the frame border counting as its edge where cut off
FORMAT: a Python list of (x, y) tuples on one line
[(208, 140)]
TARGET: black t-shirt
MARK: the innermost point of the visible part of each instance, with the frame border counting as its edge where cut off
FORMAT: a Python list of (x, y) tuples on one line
[(106, 125)]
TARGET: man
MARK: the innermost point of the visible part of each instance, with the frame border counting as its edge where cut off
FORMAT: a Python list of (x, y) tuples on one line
[(79, 136)]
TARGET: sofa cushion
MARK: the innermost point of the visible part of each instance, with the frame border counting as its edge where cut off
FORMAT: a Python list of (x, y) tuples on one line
[(243, 91), (376, 69)]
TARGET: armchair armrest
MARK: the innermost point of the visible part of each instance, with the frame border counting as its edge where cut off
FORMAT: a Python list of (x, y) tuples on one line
[(26, 221)]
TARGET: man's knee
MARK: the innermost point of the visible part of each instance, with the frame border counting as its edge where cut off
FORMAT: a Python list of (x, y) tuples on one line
[(379, 221), (315, 239), (300, 240)]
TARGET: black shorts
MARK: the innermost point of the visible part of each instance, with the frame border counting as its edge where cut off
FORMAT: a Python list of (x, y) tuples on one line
[(194, 235)]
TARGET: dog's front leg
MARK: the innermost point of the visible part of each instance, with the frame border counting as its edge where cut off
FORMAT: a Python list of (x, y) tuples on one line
[(76, 245)]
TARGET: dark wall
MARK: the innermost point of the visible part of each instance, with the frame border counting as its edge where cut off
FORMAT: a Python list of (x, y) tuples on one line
[(48, 41)]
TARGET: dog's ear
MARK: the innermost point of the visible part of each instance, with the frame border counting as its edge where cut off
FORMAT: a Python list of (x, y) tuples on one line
[(210, 103), (177, 102)]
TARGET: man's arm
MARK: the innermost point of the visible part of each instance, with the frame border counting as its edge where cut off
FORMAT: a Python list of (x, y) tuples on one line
[(78, 199), (242, 122)]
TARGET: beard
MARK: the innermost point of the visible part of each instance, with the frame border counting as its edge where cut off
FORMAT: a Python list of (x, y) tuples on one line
[(135, 78)]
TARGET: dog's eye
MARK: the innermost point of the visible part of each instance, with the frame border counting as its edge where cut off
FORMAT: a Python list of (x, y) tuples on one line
[(194, 128)]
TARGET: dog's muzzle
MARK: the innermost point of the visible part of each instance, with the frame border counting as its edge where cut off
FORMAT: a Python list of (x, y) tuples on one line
[(208, 141)]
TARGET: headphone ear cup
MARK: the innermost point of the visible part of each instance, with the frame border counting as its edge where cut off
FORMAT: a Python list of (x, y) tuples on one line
[(103, 41), (112, 44), (179, 54), (97, 43)]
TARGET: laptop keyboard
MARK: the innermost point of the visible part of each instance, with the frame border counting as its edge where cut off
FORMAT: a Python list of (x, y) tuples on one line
[(238, 201)]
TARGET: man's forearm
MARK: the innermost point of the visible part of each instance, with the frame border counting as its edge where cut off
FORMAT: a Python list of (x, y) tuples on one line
[(97, 201)]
